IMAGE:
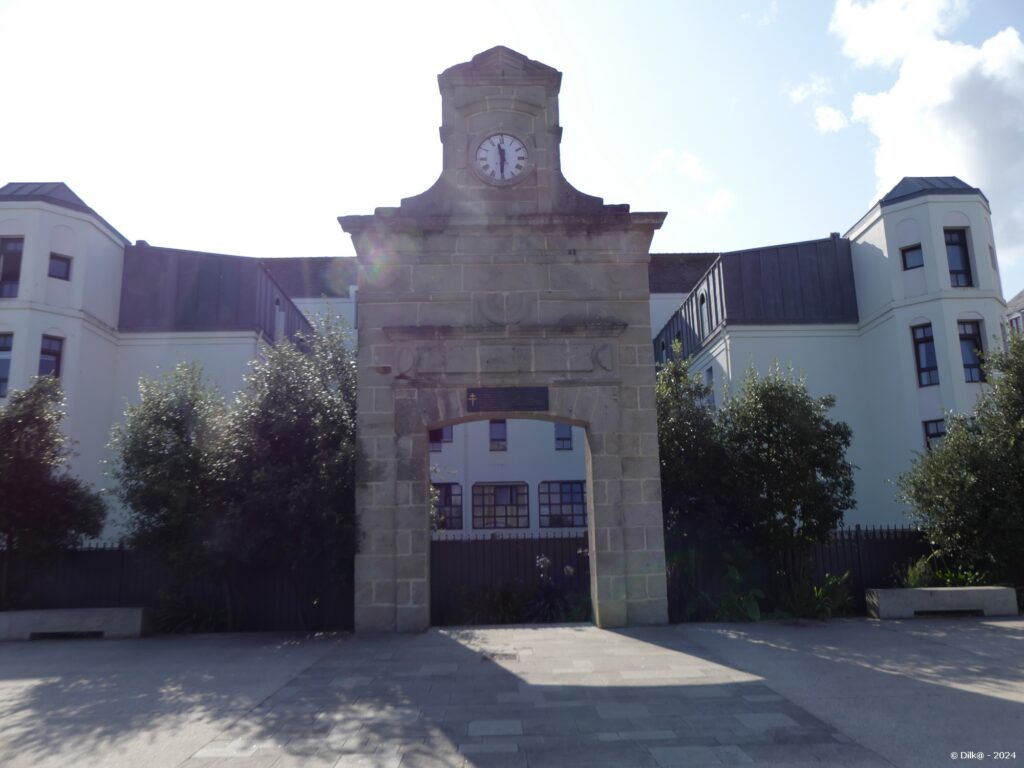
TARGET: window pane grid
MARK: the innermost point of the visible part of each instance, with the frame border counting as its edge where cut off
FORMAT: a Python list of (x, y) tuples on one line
[(10, 266), (924, 356), (499, 435), (956, 254), (563, 504), (449, 506), (439, 436), (934, 431), (970, 345), (49, 356), (501, 506), (563, 437)]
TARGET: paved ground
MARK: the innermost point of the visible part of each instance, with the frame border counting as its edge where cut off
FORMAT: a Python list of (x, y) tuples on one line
[(851, 693)]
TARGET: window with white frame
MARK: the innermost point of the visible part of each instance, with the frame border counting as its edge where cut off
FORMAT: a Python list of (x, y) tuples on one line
[(970, 349), (10, 266), (501, 505), (563, 503), (448, 506)]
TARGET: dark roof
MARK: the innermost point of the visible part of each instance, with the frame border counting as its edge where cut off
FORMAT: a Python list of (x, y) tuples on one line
[(313, 276), (1016, 304), (677, 272), (916, 186), (173, 290), (53, 192)]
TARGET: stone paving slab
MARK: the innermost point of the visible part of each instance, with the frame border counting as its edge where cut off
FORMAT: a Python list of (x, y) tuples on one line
[(489, 697)]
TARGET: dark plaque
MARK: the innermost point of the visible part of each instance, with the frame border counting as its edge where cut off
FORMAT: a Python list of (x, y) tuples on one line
[(480, 399)]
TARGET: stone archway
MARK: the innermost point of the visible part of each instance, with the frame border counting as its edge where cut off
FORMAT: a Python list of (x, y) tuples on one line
[(511, 300)]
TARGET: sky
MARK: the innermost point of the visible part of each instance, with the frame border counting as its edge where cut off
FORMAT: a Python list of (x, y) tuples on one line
[(249, 127)]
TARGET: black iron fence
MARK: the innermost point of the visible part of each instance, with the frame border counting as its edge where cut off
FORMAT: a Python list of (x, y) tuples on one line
[(237, 598), (703, 568), (509, 578)]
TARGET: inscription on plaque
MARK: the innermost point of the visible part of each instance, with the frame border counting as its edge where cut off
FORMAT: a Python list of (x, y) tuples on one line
[(479, 399)]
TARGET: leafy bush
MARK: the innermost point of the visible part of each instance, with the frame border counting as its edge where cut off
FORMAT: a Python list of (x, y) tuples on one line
[(806, 600), (966, 491)]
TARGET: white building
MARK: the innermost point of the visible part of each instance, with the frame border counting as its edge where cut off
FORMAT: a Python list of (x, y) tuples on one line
[(885, 318), (888, 319)]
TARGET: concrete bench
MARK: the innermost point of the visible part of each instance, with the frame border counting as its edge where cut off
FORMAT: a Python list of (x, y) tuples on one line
[(908, 603), (74, 622)]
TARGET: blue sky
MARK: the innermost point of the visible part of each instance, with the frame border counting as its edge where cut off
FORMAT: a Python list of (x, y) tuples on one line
[(248, 127)]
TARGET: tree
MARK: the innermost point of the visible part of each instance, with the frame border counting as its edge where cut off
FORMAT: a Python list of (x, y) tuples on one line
[(292, 462), (790, 481), (694, 465), (44, 508), (769, 465), (168, 467), (967, 492)]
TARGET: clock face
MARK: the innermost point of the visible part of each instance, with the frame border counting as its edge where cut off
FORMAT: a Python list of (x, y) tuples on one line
[(501, 158)]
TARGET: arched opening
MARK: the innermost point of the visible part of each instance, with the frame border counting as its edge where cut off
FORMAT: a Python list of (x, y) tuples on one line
[(509, 521)]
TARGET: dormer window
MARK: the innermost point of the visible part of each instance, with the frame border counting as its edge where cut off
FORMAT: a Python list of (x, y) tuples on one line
[(10, 266), (703, 316)]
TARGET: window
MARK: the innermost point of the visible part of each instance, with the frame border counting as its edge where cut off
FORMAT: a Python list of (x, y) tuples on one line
[(709, 382), (959, 263), (438, 436), (563, 437), (60, 266), (933, 432), (10, 266), (449, 506), (1017, 324), (970, 346), (49, 356), (563, 504), (499, 435), (6, 343), (924, 354), (913, 257), (501, 506), (702, 315)]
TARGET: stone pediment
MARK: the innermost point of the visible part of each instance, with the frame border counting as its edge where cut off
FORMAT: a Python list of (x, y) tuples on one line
[(500, 65)]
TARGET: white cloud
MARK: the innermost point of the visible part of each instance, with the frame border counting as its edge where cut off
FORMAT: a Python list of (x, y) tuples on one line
[(886, 31), (770, 15), (814, 88), (690, 167), (829, 120), (957, 110), (721, 201), (766, 17)]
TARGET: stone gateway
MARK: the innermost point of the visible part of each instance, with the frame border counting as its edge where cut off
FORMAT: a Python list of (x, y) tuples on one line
[(502, 276)]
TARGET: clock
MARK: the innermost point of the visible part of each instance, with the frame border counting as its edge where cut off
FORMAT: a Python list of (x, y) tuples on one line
[(501, 159)]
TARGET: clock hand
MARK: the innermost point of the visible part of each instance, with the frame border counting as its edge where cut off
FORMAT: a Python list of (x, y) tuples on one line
[(501, 160)]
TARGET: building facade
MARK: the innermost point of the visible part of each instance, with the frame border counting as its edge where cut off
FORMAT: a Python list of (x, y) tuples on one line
[(890, 319)]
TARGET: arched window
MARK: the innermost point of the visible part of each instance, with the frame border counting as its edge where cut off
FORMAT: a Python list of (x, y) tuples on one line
[(703, 317)]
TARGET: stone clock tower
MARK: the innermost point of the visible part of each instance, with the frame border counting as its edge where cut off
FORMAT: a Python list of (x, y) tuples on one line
[(502, 292)]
